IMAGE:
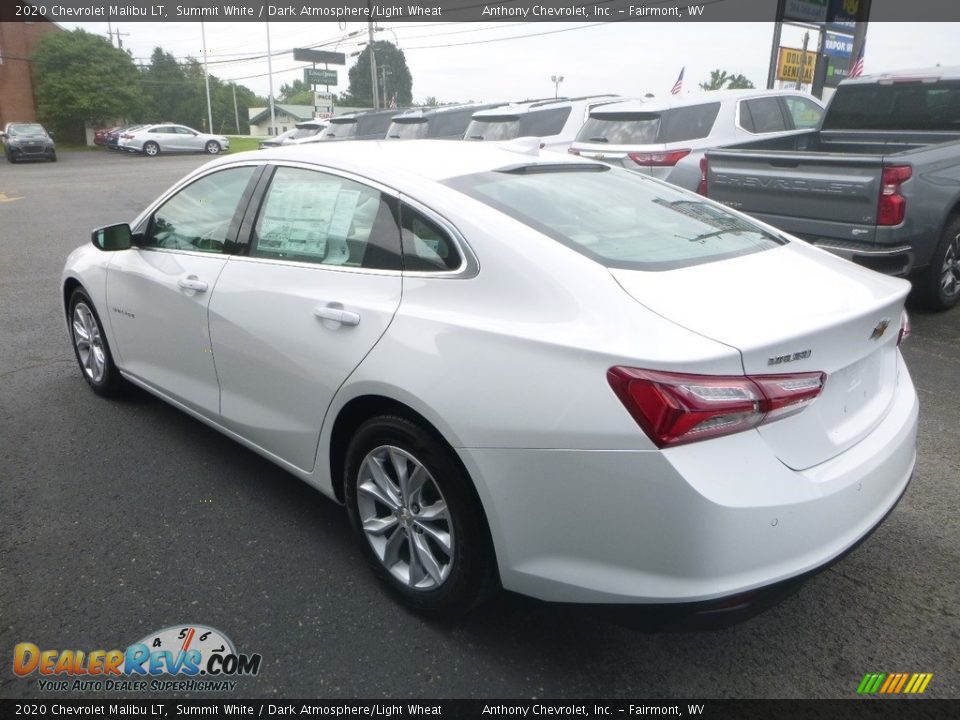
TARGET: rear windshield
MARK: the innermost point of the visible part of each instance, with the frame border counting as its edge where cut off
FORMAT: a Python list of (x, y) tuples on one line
[(536, 123), (896, 106), (650, 128), (341, 128), (618, 218), (304, 132), (413, 128)]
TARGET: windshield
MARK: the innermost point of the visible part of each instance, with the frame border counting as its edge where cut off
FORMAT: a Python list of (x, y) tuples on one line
[(305, 132), (341, 128), (617, 218), (647, 128), (408, 129), (24, 129), (501, 127)]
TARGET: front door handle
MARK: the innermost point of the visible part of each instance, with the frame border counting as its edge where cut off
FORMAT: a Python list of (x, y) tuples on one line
[(192, 282), (337, 314)]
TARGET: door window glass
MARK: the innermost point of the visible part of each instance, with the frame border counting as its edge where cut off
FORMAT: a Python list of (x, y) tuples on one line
[(311, 216), (201, 215)]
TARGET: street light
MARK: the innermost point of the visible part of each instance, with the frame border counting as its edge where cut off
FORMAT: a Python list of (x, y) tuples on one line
[(556, 80)]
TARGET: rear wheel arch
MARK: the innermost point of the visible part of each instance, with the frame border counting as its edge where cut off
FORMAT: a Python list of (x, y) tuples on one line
[(360, 409)]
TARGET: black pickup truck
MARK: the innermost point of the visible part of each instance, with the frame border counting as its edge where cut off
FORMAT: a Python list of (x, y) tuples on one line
[(878, 182)]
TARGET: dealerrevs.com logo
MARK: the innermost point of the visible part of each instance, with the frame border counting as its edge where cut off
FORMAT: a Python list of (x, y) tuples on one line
[(198, 658)]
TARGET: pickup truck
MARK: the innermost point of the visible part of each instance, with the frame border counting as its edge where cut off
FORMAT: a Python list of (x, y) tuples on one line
[(877, 183)]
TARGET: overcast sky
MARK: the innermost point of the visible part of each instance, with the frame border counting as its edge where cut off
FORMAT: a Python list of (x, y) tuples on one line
[(515, 60)]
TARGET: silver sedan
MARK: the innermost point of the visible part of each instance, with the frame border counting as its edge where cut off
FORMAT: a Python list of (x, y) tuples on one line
[(153, 139)]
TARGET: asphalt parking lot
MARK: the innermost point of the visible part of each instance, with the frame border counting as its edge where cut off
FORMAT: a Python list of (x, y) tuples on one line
[(118, 518)]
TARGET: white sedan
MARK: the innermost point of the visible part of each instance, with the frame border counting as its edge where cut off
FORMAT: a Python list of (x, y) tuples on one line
[(152, 140), (514, 368)]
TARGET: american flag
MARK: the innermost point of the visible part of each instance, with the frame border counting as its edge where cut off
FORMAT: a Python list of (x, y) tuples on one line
[(393, 102), (857, 69), (678, 85)]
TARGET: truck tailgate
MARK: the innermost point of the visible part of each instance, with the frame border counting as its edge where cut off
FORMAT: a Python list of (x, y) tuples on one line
[(812, 195)]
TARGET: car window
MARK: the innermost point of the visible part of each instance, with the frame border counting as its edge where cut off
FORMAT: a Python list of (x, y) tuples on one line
[(374, 125), (688, 123), (199, 216), (636, 128), (804, 112), (412, 128), (341, 128), (426, 246), (895, 106), (163, 129), (182, 131), (543, 123), (26, 129), (310, 216), (618, 218), (762, 115), (493, 127), (449, 124)]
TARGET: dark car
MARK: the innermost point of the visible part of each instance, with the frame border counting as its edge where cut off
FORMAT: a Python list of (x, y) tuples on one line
[(111, 138), (27, 141)]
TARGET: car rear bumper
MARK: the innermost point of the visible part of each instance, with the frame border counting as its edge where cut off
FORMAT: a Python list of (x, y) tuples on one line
[(695, 523)]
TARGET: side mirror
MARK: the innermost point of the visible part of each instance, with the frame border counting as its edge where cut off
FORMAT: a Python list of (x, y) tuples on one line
[(3, 136), (112, 237)]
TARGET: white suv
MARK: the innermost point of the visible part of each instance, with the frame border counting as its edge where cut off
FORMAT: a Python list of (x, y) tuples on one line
[(555, 121), (667, 138)]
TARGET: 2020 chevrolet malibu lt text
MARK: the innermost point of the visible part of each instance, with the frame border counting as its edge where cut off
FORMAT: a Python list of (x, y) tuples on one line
[(515, 368)]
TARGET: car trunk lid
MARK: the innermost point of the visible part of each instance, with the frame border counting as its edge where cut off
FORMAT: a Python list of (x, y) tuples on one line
[(824, 314)]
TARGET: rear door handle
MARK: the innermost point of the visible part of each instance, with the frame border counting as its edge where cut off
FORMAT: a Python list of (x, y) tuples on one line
[(337, 314), (192, 282)]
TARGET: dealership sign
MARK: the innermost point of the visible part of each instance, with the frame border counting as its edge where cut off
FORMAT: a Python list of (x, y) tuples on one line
[(836, 45)]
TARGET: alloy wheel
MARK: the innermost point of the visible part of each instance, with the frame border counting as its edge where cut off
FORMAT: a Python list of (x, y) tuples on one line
[(405, 517), (950, 272), (89, 343)]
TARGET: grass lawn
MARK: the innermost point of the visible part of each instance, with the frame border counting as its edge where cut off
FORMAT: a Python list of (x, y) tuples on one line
[(242, 143)]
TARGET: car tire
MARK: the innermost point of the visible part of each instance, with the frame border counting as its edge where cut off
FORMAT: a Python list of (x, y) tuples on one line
[(91, 348), (10, 158), (213, 148), (937, 287), (151, 149), (427, 543), (53, 157)]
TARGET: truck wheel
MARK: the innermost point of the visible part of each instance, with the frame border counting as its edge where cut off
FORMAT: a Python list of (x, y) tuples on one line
[(938, 286)]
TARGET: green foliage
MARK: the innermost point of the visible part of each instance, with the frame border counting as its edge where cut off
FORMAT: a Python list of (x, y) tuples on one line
[(177, 94), (390, 61), (79, 77), (720, 79)]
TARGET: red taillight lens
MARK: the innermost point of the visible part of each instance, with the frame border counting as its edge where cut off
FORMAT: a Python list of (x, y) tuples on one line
[(658, 159), (572, 151), (904, 328), (676, 408), (126, 136), (892, 206), (704, 169)]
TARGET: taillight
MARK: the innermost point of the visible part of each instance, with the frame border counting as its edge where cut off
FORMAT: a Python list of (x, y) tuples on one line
[(904, 328), (572, 151), (892, 205), (704, 169), (126, 136), (658, 159), (676, 408)]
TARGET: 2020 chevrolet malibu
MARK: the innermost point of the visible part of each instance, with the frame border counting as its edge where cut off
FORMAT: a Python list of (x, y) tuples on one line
[(515, 368)]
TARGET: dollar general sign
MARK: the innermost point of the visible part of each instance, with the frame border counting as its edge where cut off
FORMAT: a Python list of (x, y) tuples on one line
[(788, 65)]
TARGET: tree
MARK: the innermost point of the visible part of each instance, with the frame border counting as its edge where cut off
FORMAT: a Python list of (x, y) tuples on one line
[(296, 93), (392, 64), (80, 77), (720, 79)]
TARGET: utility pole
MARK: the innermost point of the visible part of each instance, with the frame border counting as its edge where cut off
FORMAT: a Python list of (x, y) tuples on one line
[(373, 63), (206, 78), (273, 116), (236, 113), (803, 60)]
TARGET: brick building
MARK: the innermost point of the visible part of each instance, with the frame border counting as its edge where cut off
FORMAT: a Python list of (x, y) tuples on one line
[(17, 40)]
